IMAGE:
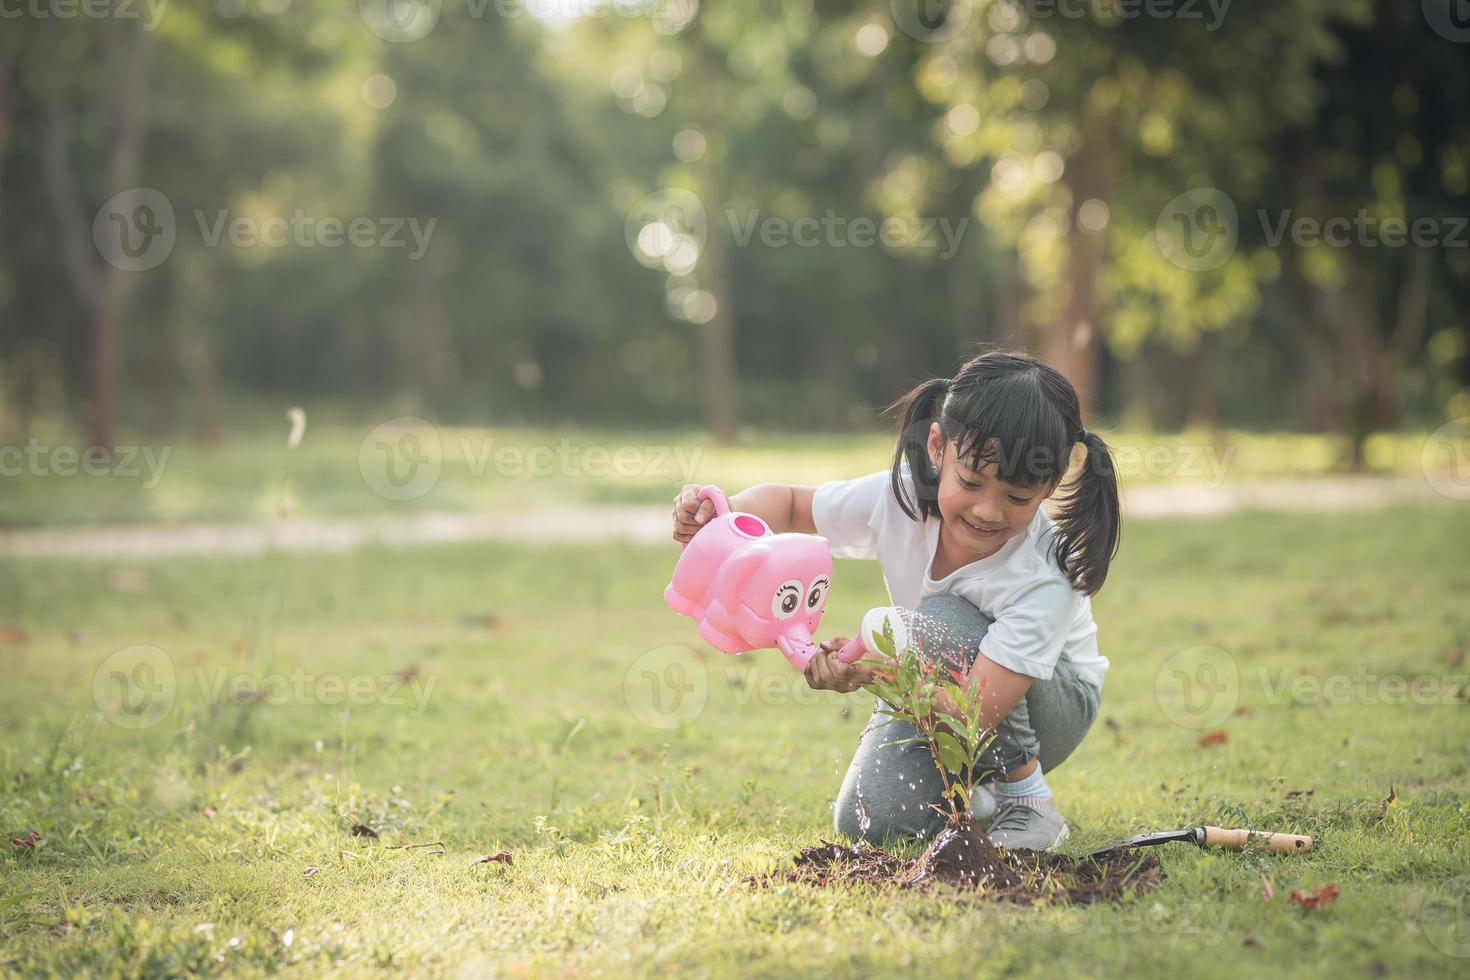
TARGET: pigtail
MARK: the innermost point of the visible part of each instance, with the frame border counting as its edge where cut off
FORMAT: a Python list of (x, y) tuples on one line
[(1087, 524), (916, 411)]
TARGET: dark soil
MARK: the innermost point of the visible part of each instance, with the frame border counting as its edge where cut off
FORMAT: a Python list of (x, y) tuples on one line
[(965, 858)]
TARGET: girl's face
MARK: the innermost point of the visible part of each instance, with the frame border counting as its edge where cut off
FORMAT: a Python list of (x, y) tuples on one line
[(980, 510)]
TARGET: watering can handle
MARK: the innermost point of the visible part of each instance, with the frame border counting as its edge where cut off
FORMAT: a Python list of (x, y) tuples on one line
[(722, 506)]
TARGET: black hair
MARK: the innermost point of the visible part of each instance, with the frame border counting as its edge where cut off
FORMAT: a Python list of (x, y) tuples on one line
[(1024, 417)]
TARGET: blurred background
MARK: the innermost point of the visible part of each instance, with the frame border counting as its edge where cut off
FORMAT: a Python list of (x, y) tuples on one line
[(735, 219)]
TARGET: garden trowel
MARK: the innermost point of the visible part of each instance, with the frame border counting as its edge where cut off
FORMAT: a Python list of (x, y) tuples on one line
[(1235, 840)]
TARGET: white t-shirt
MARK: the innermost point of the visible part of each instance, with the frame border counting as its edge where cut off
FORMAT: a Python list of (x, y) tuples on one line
[(1039, 617)]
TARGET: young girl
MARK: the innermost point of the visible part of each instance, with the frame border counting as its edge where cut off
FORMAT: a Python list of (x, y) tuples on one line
[(957, 528)]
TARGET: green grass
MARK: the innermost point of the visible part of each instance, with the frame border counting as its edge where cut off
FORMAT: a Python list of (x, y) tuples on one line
[(182, 847), (337, 466)]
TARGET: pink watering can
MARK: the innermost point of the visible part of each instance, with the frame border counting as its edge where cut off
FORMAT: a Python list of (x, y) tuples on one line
[(748, 587)]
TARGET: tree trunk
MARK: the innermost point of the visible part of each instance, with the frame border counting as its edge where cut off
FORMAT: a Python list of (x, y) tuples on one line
[(1071, 343), (197, 356), (717, 341), (104, 289), (1204, 408), (7, 113)]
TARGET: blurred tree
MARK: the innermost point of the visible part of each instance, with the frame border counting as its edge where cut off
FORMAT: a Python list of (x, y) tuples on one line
[(544, 158)]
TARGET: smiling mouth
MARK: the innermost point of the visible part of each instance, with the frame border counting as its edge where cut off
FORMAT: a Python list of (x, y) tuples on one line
[(977, 529)]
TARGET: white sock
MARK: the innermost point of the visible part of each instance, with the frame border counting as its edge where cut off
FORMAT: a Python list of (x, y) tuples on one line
[(1029, 791)]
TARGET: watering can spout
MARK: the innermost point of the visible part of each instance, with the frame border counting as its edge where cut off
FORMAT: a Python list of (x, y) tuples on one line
[(797, 646)]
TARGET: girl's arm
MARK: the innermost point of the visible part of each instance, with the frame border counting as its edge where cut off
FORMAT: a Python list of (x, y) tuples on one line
[(784, 508), (1002, 687)]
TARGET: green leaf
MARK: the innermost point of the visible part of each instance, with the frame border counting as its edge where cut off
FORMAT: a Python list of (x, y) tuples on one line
[(951, 755)]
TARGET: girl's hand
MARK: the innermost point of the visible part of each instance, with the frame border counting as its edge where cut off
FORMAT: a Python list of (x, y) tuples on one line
[(690, 513), (824, 672)]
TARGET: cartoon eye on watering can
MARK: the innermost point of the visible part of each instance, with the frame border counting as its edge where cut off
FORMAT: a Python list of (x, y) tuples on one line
[(748, 587)]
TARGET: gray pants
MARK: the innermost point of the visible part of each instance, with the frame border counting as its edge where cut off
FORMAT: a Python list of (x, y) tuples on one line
[(891, 783)]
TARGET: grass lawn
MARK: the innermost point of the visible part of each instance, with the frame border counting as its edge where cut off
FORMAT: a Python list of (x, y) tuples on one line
[(554, 708)]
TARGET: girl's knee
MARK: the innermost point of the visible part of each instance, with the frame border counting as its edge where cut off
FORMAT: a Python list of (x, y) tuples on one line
[(950, 624), (953, 612)]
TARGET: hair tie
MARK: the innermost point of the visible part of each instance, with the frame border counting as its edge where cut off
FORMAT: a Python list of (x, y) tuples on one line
[(1083, 436)]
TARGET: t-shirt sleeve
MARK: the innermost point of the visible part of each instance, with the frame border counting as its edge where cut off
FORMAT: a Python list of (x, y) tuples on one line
[(1032, 628), (849, 514)]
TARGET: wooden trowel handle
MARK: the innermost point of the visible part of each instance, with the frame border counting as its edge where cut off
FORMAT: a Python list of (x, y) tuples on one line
[(1238, 840)]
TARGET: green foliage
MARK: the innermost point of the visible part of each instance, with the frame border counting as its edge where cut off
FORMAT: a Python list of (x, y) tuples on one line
[(528, 142), (938, 700)]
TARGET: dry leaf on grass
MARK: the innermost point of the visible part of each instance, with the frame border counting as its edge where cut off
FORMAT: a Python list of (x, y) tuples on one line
[(1387, 802), (1214, 738), (1313, 899), (363, 830), (1267, 891), (310, 872), (28, 841), (502, 857)]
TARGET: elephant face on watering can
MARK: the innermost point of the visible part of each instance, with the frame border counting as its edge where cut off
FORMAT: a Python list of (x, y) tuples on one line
[(749, 588), (781, 600)]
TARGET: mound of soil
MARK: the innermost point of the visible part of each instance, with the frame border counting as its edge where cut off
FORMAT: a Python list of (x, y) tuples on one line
[(965, 858)]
